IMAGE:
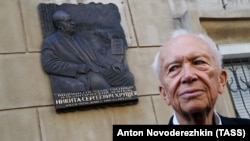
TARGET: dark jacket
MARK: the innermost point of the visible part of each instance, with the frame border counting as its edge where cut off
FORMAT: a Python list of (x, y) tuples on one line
[(61, 56), (226, 121)]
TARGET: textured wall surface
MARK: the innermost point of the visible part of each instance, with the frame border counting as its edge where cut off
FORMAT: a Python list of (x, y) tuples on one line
[(26, 105)]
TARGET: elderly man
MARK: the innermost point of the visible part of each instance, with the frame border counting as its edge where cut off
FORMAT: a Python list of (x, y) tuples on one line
[(74, 65), (189, 68)]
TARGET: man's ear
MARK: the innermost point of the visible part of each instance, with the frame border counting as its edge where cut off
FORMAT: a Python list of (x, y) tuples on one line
[(58, 25), (164, 94), (222, 80)]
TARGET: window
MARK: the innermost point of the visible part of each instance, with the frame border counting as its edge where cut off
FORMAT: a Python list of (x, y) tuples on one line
[(237, 63)]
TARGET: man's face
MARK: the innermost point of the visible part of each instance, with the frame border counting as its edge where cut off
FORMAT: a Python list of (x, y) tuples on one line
[(191, 77), (66, 24)]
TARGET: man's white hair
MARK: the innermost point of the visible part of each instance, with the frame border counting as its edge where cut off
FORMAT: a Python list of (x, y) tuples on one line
[(156, 65)]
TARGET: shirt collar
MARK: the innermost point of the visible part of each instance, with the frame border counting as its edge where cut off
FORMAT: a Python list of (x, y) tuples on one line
[(217, 119), (62, 34)]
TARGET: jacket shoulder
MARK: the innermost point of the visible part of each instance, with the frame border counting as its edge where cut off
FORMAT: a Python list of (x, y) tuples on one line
[(234, 121)]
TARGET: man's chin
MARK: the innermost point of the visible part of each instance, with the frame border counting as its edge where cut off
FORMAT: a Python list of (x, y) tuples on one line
[(195, 109)]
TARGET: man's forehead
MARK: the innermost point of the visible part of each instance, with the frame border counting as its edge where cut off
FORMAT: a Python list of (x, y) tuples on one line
[(184, 44)]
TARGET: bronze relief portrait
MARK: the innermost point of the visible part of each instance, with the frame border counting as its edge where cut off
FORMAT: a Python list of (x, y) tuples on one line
[(83, 52)]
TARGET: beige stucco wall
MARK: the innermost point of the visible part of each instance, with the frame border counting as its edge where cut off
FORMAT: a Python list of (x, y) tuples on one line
[(26, 106)]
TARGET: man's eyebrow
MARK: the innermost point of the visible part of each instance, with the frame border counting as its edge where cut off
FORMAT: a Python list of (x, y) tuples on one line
[(200, 55), (208, 57), (172, 61), (179, 59)]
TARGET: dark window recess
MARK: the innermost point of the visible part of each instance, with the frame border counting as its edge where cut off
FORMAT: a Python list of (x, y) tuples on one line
[(239, 84)]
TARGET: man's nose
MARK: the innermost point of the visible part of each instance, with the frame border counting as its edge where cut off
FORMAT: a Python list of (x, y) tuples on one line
[(188, 74)]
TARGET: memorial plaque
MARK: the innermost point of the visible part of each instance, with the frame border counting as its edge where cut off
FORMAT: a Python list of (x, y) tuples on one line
[(83, 52)]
